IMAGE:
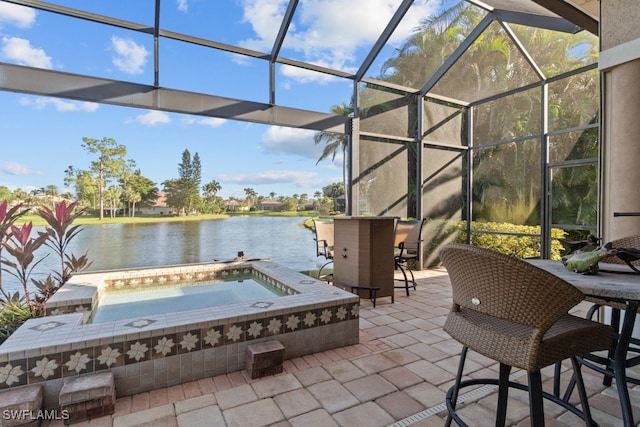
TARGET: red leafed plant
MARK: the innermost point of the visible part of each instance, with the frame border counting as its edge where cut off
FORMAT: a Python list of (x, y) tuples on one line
[(61, 231), (8, 217), (22, 247), (19, 243)]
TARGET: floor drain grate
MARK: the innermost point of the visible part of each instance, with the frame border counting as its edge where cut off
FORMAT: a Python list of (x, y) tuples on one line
[(471, 395)]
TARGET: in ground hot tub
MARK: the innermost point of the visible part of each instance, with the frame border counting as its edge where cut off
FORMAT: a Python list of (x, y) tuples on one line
[(164, 294), (147, 350)]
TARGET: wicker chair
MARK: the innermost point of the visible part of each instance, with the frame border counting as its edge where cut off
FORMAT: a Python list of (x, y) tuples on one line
[(407, 238), (516, 314), (624, 242), (324, 244)]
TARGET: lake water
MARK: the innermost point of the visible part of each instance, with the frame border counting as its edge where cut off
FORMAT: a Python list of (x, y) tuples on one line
[(114, 246)]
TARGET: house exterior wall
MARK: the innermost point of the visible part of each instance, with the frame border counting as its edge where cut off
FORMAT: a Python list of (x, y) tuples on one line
[(155, 210), (618, 23), (620, 66)]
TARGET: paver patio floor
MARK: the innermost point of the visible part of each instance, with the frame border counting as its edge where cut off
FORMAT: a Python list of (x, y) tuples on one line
[(396, 376)]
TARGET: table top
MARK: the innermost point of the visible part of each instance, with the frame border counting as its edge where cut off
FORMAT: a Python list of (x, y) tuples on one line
[(613, 281)]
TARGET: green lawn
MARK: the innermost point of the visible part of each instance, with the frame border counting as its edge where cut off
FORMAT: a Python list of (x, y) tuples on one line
[(94, 220)]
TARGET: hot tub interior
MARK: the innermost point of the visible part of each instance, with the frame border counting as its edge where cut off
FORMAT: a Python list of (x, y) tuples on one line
[(164, 295)]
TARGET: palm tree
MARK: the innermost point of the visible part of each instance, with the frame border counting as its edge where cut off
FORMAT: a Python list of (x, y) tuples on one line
[(20, 195), (251, 196), (52, 191), (335, 142), (211, 188)]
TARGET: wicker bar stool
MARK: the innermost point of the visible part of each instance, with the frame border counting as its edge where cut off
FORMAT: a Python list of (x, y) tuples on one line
[(407, 237), (324, 245), (517, 315)]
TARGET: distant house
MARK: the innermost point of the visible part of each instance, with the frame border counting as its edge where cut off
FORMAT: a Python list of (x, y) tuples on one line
[(159, 206), (235, 206), (307, 206), (270, 205)]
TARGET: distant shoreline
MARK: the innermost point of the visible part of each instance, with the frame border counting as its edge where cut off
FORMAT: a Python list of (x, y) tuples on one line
[(144, 219)]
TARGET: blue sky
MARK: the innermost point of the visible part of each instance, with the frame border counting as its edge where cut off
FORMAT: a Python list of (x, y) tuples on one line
[(42, 136)]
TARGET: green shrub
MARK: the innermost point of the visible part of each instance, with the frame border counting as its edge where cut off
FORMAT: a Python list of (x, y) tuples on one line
[(486, 235), (12, 314), (517, 242)]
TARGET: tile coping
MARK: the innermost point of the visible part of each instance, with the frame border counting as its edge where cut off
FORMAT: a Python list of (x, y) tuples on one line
[(64, 332)]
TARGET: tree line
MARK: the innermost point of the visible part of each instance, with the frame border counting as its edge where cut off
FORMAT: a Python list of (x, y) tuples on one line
[(114, 185)]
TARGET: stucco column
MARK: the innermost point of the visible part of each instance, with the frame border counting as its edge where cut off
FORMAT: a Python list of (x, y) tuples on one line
[(620, 215), (619, 63)]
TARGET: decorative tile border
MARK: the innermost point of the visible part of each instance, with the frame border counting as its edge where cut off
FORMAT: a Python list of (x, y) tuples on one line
[(151, 279), (47, 326), (187, 278), (140, 323), (154, 351), (71, 308), (160, 345)]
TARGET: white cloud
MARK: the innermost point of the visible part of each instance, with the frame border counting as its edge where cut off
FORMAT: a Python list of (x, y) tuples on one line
[(270, 179), (182, 5), (20, 16), (297, 178), (59, 104), (212, 122), (20, 50), (205, 121), (343, 29), (265, 17), (88, 106), (130, 57), (302, 75), (329, 32), (15, 168), (188, 120), (284, 140), (153, 118)]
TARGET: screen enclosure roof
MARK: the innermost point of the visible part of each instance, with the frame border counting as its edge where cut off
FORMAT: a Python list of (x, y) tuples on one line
[(277, 44)]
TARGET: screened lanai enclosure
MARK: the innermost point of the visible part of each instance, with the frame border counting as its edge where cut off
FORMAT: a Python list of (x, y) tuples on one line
[(498, 141), (481, 117)]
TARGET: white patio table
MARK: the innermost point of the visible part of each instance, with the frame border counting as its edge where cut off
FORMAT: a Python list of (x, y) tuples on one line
[(617, 283)]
